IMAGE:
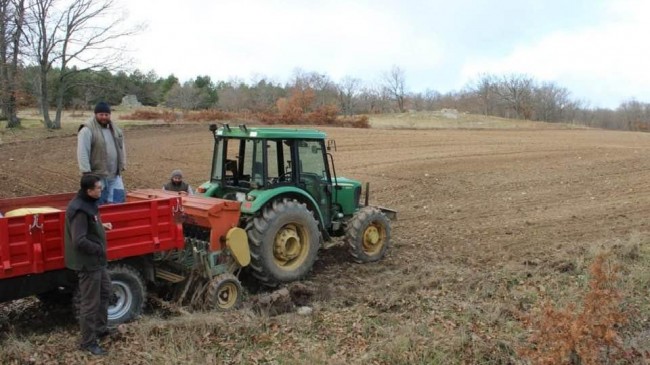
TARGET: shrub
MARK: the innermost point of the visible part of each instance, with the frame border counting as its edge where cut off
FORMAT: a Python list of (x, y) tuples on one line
[(143, 114), (361, 121), (323, 115), (580, 336), (207, 115), (289, 112)]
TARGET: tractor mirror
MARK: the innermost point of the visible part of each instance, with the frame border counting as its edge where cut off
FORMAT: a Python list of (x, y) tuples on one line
[(213, 127), (331, 143)]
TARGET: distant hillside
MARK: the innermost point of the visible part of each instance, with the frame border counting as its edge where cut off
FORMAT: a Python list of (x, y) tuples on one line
[(452, 119)]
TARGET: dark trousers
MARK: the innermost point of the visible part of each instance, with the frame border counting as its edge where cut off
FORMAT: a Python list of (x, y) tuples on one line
[(94, 293)]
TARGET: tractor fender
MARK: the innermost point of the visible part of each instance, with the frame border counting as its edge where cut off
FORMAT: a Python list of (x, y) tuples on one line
[(263, 197), (209, 189)]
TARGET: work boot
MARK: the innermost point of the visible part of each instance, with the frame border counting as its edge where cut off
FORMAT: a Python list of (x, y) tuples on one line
[(94, 349), (108, 333)]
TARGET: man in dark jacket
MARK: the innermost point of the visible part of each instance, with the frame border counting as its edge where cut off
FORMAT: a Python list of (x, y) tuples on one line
[(177, 184), (85, 253)]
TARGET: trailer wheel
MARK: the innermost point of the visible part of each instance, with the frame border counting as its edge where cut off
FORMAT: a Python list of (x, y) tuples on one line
[(368, 235), (224, 292), (284, 242), (128, 294)]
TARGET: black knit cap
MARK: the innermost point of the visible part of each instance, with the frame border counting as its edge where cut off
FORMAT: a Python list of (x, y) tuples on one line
[(102, 107)]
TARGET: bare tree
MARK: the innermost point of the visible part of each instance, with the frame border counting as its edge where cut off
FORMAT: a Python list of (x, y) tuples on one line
[(264, 92), (634, 115), (320, 85), (394, 81), (12, 17), (516, 92), (372, 100), (348, 89), (550, 102), (79, 37), (186, 97), (485, 89)]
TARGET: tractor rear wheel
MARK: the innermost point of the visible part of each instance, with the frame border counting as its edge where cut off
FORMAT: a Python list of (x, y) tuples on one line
[(284, 242), (368, 235), (224, 292)]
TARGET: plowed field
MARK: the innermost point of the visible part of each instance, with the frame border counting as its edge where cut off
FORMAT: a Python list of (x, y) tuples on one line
[(490, 223)]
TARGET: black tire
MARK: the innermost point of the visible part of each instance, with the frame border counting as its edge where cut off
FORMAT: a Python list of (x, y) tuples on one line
[(56, 297), (368, 235), (284, 242), (224, 293), (128, 294)]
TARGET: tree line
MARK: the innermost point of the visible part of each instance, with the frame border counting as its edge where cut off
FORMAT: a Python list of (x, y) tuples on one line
[(56, 57), (46, 46)]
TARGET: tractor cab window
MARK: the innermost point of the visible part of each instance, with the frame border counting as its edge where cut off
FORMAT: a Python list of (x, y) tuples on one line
[(243, 163), (313, 175), (217, 159), (312, 161), (227, 167), (253, 162), (279, 162)]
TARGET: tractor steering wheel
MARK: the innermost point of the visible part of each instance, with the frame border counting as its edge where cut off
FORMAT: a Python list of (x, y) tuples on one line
[(282, 177)]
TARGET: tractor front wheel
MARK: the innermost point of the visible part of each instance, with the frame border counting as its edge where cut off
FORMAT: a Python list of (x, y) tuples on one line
[(368, 235), (284, 242)]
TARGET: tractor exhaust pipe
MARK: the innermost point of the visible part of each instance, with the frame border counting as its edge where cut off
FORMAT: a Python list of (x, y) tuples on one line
[(367, 193)]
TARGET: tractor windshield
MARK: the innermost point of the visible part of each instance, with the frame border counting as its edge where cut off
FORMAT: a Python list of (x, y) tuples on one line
[(311, 159), (255, 163)]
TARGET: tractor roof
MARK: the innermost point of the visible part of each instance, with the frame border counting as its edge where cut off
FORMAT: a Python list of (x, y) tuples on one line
[(269, 133)]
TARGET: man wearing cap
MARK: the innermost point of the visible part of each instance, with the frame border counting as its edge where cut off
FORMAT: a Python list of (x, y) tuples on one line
[(100, 151), (176, 183)]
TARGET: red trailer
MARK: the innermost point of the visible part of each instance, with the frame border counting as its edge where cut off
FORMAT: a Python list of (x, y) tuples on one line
[(147, 245)]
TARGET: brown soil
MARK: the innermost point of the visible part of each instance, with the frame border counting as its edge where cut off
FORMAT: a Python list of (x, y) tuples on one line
[(486, 217)]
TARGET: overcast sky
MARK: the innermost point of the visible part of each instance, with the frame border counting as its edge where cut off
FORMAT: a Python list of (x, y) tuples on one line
[(599, 50)]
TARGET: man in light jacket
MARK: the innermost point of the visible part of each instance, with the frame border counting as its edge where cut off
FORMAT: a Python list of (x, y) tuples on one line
[(101, 151)]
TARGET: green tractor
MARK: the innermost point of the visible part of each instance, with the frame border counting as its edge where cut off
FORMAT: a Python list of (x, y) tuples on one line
[(292, 202)]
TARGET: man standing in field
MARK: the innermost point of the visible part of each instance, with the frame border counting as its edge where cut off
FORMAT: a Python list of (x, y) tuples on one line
[(100, 150), (85, 253)]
